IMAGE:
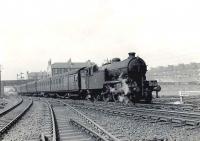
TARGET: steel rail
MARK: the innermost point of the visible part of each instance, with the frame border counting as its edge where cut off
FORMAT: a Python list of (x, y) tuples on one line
[(43, 138), (152, 105), (161, 111), (98, 136), (100, 129), (144, 114), (142, 104), (11, 108), (54, 135), (7, 126), (191, 114)]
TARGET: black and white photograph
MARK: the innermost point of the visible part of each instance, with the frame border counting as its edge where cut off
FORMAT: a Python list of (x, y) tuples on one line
[(99, 70)]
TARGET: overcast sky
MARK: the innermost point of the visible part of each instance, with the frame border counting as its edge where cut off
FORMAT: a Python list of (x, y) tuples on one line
[(33, 31)]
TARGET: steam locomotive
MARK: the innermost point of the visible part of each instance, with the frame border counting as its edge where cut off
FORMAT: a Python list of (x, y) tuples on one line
[(119, 81)]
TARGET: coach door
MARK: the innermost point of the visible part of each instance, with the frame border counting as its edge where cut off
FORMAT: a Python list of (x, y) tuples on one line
[(83, 79)]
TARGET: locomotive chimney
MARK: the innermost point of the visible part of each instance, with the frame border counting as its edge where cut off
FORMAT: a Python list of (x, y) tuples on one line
[(131, 54)]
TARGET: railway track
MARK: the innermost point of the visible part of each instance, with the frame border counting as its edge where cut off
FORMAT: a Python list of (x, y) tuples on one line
[(48, 126), (11, 115), (110, 126), (154, 115), (67, 123), (11, 106), (157, 105)]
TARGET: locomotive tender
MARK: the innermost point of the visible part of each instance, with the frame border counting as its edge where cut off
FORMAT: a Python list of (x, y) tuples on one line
[(119, 81)]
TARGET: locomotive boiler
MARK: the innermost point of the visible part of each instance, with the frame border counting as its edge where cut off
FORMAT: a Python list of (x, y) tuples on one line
[(126, 80)]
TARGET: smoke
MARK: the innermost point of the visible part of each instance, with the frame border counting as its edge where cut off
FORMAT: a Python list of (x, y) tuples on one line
[(125, 87)]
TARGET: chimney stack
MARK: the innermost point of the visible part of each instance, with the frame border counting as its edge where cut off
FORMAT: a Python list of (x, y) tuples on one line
[(131, 54)]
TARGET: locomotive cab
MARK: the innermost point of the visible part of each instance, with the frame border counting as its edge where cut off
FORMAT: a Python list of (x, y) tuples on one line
[(91, 70)]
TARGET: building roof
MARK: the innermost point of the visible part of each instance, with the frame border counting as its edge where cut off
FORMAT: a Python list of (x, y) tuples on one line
[(36, 73), (71, 64)]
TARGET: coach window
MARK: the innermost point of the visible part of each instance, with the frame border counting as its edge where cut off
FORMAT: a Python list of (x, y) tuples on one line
[(89, 71), (95, 68)]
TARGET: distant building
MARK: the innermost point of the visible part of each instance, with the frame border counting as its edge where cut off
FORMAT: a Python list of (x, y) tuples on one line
[(37, 75), (176, 73), (62, 67)]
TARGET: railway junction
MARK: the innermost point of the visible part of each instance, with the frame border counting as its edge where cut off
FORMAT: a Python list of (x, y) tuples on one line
[(39, 118), (112, 102)]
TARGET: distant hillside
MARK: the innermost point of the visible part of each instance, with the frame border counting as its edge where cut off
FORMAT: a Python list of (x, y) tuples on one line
[(176, 73)]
